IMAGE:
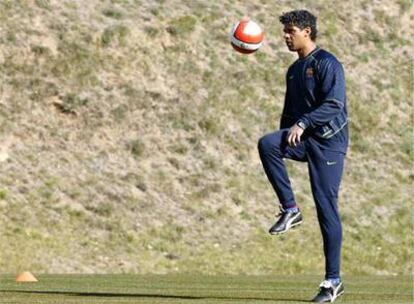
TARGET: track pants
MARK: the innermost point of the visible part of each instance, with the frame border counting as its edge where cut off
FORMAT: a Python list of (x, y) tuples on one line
[(325, 172)]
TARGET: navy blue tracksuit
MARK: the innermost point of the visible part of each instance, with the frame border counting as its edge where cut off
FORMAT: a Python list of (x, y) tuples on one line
[(316, 97)]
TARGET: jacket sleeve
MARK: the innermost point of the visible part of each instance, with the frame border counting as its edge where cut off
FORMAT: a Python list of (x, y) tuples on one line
[(332, 94)]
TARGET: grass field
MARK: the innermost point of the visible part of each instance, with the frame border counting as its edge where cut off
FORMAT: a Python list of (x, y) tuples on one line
[(198, 289)]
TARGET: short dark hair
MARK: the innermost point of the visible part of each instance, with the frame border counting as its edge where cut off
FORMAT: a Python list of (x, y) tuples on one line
[(301, 19)]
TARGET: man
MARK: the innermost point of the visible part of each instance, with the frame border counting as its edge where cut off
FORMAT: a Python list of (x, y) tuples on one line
[(313, 129)]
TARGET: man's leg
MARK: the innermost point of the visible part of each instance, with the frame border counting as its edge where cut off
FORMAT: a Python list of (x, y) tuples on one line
[(325, 170), (272, 149)]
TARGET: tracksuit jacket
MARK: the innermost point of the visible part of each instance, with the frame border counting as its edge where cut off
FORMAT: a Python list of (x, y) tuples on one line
[(316, 96)]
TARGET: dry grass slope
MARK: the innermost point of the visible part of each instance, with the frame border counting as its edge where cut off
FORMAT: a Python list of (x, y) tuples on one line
[(129, 132)]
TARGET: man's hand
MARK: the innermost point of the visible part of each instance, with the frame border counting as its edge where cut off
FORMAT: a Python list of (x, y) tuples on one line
[(294, 135)]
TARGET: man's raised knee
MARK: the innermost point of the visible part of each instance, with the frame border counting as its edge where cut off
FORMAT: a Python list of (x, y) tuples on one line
[(268, 143)]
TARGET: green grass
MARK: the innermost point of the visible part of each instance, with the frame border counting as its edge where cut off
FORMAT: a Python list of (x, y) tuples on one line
[(197, 289)]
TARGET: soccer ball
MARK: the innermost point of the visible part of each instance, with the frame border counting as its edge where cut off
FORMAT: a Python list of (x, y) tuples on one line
[(246, 36)]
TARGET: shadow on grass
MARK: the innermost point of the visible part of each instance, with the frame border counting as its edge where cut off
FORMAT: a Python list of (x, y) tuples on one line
[(143, 295)]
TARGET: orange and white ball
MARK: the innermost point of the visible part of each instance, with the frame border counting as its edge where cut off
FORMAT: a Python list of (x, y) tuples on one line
[(246, 36)]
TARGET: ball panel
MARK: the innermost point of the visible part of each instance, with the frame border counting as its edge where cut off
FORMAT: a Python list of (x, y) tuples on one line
[(248, 31), (243, 51), (245, 45), (252, 29)]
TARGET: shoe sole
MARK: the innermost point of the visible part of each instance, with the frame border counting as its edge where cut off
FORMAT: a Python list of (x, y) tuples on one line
[(332, 300), (289, 226)]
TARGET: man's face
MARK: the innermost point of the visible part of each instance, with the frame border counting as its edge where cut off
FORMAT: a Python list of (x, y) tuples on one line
[(295, 38)]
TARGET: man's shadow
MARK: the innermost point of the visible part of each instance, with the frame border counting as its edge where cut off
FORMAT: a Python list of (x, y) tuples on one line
[(145, 295)]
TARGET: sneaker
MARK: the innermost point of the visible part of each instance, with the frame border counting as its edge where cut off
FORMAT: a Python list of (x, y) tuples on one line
[(328, 292), (286, 221)]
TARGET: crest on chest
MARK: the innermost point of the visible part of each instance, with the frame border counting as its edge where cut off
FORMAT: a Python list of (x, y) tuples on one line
[(309, 72)]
